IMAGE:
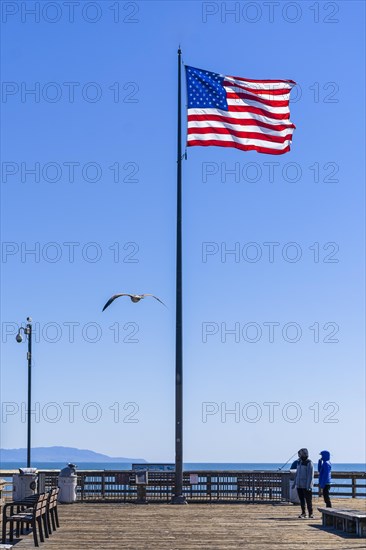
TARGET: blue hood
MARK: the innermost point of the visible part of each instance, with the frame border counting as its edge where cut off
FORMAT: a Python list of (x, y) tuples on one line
[(325, 455)]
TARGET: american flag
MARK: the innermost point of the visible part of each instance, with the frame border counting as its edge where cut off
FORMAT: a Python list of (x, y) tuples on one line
[(229, 111)]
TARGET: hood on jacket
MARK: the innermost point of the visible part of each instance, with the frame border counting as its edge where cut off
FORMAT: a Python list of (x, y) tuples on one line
[(325, 455)]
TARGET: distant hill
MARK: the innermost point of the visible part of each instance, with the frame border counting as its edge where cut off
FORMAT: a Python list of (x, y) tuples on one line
[(62, 454)]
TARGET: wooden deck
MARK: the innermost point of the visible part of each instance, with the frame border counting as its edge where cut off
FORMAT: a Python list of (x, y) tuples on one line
[(193, 527)]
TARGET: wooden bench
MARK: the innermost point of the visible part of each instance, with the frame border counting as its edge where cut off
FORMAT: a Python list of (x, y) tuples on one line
[(52, 514), (30, 511), (350, 521)]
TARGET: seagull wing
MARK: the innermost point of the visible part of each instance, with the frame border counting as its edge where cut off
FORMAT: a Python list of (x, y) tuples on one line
[(113, 298), (156, 298)]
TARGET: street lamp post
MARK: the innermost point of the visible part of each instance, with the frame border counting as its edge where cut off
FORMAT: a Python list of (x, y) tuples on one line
[(28, 332)]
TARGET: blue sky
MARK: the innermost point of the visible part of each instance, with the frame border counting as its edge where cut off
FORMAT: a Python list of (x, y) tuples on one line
[(99, 132)]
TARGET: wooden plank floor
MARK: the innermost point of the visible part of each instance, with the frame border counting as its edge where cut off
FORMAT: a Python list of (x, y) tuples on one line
[(193, 527)]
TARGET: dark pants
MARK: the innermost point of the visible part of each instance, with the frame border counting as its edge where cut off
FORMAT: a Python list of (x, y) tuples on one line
[(306, 495), (326, 490)]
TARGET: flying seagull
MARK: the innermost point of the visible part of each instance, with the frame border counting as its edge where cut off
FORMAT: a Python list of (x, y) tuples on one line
[(134, 298)]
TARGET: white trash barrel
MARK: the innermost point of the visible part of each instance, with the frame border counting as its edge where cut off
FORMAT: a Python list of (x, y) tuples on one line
[(294, 497), (24, 483), (67, 481)]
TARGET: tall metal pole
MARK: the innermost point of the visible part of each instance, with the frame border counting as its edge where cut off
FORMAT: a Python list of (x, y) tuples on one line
[(178, 489), (29, 357)]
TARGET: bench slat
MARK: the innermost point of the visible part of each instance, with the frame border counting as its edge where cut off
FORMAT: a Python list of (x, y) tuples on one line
[(343, 513)]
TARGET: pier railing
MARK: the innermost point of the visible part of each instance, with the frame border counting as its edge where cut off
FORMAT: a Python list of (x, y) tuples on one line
[(199, 486)]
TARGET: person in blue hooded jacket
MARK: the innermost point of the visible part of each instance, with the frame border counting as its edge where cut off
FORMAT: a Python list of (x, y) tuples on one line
[(324, 469)]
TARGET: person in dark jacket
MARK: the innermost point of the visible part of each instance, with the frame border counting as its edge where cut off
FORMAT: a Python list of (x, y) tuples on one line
[(304, 482), (324, 469)]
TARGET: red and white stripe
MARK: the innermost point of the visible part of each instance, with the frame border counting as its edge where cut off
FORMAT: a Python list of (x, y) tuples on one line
[(258, 117)]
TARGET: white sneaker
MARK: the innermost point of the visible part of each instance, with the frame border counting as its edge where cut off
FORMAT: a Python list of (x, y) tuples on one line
[(302, 516)]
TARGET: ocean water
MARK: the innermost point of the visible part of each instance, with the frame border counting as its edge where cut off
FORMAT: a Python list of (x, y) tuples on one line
[(188, 466)]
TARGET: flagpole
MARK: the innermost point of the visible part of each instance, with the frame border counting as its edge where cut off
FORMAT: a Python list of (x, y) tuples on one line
[(178, 497)]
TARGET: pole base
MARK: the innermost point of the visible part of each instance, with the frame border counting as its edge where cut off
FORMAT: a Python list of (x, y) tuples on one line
[(179, 499)]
